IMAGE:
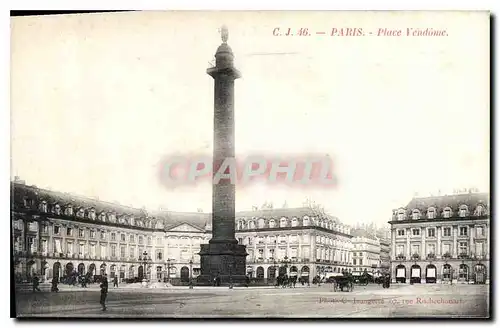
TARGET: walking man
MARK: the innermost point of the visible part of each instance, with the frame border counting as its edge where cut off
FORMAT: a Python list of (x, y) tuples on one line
[(115, 282), (104, 291), (36, 283)]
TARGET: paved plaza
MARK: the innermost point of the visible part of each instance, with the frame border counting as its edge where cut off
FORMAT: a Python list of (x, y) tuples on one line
[(320, 302)]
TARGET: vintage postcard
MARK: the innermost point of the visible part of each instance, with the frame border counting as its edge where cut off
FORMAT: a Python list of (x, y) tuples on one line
[(252, 164)]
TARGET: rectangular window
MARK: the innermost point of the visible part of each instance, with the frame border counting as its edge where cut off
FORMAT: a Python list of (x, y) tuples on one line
[(415, 249), (57, 230), (81, 233), (31, 244), (479, 231), (431, 232), (92, 233), (479, 249), (150, 241), (159, 241), (416, 232), (447, 232), (122, 237), (113, 250), (45, 228), (132, 251), (240, 241), (360, 261), (70, 248), (354, 261), (400, 250), (92, 250), (131, 239), (81, 250), (446, 248), (431, 249), (401, 232), (103, 234), (103, 251), (463, 231), (44, 246), (69, 232), (141, 240), (122, 251), (462, 248), (113, 236), (57, 246)]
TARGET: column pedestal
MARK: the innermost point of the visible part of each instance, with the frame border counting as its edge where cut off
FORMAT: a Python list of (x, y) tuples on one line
[(225, 260)]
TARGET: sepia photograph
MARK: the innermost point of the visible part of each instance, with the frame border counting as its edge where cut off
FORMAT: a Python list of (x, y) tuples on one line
[(250, 164)]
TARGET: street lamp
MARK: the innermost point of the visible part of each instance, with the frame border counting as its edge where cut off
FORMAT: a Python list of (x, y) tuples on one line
[(145, 260), (191, 274), (168, 269)]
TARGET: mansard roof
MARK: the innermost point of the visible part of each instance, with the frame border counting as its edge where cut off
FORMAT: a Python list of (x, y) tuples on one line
[(20, 191), (277, 213), (452, 201)]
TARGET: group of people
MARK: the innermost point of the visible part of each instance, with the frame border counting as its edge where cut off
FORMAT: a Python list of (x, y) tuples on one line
[(284, 281)]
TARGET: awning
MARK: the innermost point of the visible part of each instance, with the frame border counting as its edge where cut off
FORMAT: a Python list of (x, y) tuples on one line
[(356, 273)]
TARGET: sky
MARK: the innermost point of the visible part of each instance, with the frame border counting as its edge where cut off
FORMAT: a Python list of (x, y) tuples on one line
[(97, 100)]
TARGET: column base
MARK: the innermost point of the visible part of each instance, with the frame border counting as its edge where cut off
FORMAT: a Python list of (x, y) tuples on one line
[(224, 260)]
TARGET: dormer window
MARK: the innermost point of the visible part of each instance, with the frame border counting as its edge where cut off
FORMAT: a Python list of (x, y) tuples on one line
[(43, 206), (479, 210), (261, 223), (415, 215), (112, 217), (305, 221), (401, 215), (431, 213), (295, 222), (57, 209), (447, 213), (68, 210), (102, 217), (463, 211), (92, 214), (132, 221), (283, 222), (272, 223), (80, 213)]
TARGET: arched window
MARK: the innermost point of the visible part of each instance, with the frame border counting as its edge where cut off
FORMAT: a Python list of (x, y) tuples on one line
[(447, 213), (68, 210), (295, 222), (479, 210), (415, 215), (57, 209), (283, 222), (431, 213), (261, 223), (305, 221), (80, 213), (102, 217), (92, 214), (272, 223), (401, 215), (43, 206), (463, 211)]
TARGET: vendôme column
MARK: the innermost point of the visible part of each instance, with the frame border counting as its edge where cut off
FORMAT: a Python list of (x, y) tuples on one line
[(223, 257)]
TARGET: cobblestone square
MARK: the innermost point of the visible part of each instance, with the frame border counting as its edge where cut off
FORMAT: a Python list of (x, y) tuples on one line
[(316, 302)]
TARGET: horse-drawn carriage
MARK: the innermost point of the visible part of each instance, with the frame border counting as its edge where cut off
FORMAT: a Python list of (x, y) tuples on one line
[(344, 282)]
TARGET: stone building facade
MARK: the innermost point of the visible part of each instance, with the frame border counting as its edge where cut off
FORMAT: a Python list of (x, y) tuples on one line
[(442, 239), (59, 234)]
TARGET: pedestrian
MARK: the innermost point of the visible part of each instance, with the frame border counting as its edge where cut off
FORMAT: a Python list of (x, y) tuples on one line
[(115, 282), (36, 283), (104, 291), (54, 284)]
